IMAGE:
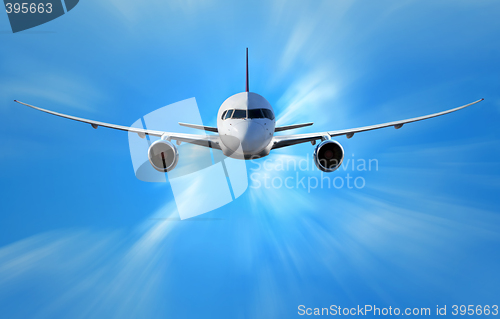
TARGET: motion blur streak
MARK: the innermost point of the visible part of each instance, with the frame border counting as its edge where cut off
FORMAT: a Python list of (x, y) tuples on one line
[(101, 274)]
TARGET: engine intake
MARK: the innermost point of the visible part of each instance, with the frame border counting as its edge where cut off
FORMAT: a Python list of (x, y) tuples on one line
[(328, 155), (163, 156)]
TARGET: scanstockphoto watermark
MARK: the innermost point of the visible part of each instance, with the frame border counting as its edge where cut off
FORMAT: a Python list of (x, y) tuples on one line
[(301, 173), (373, 310)]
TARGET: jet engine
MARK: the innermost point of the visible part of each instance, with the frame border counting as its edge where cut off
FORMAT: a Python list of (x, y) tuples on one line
[(163, 155), (328, 155)]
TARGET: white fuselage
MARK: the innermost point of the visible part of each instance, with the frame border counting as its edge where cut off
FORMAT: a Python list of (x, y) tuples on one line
[(246, 123)]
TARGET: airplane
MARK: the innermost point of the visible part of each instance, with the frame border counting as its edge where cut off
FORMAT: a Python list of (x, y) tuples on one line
[(245, 130)]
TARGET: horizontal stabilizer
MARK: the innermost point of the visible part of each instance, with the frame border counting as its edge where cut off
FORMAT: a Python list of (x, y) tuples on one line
[(291, 127), (200, 127)]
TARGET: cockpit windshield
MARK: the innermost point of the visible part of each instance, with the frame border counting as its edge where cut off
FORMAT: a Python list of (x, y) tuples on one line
[(228, 114), (268, 114), (255, 114), (239, 114), (251, 114)]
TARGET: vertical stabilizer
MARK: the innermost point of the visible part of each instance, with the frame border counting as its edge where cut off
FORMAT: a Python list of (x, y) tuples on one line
[(247, 72)]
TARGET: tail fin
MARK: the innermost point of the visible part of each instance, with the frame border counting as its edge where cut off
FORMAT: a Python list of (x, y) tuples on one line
[(247, 72)]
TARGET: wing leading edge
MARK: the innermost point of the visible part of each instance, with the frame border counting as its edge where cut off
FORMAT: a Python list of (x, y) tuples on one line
[(200, 127), (288, 140), (211, 141), (291, 127)]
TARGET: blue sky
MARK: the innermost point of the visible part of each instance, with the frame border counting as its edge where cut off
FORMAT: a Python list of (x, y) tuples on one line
[(80, 236)]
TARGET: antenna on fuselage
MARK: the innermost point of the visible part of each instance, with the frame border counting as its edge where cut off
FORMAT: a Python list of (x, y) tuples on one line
[(247, 71)]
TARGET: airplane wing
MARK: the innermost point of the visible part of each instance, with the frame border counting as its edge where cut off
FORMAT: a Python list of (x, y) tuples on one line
[(200, 127), (287, 140), (291, 127), (211, 141)]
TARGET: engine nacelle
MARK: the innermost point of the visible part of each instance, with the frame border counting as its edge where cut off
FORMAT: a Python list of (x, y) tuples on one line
[(328, 155), (163, 156)]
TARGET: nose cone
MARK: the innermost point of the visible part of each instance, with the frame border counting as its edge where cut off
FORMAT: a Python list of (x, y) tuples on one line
[(250, 135)]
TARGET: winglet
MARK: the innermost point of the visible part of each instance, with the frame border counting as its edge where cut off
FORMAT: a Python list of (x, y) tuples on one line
[(247, 89)]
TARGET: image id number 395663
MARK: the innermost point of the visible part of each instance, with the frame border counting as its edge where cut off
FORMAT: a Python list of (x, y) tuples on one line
[(474, 310), (25, 7)]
